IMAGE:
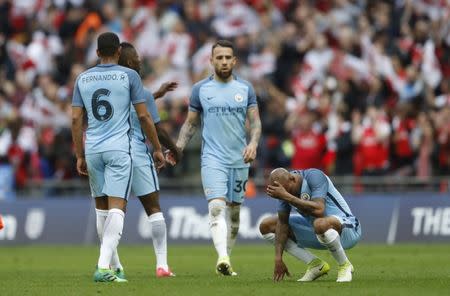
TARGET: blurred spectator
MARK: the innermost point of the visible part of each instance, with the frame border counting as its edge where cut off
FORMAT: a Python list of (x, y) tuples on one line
[(21, 151), (341, 146), (274, 135), (308, 139), (443, 140), (371, 134), (403, 152), (423, 143)]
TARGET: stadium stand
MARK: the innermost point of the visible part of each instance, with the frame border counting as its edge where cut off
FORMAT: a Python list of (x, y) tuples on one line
[(358, 88)]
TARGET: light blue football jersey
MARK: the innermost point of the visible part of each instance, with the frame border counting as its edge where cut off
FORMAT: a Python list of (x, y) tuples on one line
[(140, 152), (223, 108), (317, 185), (105, 91)]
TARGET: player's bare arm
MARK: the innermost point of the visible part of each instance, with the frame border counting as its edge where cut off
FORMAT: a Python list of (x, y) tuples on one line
[(167, 142), (249, 152), (77, 135), (314, 207), (163, 136), (150, 131), (165, 88), (281, 237), (188, 129)]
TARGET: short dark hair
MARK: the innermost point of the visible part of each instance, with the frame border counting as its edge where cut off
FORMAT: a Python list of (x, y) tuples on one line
[(125, 53), (107, 44), (126, 45), (222, 43)]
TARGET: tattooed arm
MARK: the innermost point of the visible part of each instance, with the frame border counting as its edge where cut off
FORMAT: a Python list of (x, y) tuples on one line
[(188, 129), (167, 142), (249, 152)]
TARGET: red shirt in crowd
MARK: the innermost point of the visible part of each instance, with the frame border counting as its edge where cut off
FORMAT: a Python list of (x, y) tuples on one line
[(374, 153), (309, 149), (444, 145), (402, 132)]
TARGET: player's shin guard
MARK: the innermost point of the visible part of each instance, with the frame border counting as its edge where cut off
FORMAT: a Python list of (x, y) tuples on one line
[(292, 248), (332, 241), (100, 222), (111, 237), (233, 219), (218, 226), (159, 237)]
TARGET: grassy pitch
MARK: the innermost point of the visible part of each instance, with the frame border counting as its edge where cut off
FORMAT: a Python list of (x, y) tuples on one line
[(379, 270)]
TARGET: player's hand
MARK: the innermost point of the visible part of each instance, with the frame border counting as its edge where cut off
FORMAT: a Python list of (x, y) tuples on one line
[(160, 162), (81, 166), (276, 190), (165, 88), (280, 270), (249, 152), (173, 156), (170, 157)]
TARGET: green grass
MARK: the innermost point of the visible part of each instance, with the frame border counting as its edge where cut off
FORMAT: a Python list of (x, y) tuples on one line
[(67, 270)]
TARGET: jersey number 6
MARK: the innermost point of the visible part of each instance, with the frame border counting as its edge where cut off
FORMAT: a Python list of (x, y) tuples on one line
[(102, 109)]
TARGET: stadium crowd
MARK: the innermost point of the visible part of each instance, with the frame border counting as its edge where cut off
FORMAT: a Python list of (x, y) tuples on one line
[(354, 87)]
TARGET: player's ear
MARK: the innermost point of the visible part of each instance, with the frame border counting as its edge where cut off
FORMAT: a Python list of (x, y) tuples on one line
[(234, 61), (98, 53), (291, 178)]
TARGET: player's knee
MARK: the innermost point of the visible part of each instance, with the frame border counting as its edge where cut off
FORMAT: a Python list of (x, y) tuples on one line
[(153, 210), (150, 210), (215, 211), (216, 208), (150, 202), (266, 226), (321, 225)]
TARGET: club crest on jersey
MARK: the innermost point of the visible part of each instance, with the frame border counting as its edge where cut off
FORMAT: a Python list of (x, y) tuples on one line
[(305, 196), (208, 191), (238, 98)]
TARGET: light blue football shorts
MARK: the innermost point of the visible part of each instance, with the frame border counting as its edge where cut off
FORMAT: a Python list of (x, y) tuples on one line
[(306, 237), (225, 182), (110, 173), (145, 178)]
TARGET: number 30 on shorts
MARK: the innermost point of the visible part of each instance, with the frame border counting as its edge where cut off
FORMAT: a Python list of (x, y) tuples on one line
[(240, 185)]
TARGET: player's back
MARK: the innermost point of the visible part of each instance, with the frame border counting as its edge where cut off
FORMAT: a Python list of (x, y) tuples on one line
[(106, 91), (224, 111)]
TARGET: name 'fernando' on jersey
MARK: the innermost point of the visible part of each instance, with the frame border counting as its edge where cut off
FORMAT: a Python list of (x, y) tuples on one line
[(223, 108), (105, 91)]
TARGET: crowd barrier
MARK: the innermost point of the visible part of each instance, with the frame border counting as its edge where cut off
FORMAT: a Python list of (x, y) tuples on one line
[(384, 218)]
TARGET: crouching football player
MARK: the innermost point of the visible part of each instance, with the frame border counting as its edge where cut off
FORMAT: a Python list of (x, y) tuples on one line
[(324, 221)]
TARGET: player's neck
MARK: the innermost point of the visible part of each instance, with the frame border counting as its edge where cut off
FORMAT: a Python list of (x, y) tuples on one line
[(221, 80), (108, 60)]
